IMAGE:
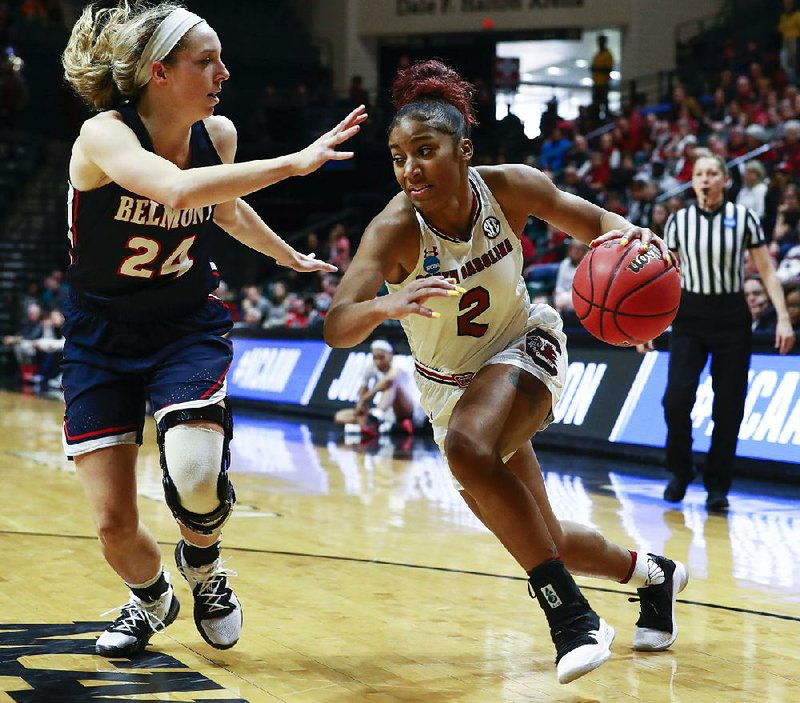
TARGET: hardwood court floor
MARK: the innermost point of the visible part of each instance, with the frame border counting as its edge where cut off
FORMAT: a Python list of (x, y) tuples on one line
[(364, 579)]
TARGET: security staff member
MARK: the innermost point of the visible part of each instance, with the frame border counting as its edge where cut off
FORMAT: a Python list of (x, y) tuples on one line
[(710, 238)]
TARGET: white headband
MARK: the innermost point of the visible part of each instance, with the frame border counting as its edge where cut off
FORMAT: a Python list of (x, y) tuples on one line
[(381, 345), (163, 40)]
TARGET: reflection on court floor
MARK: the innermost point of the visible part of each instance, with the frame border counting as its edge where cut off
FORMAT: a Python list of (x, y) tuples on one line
[(366, 579), (764, 530)]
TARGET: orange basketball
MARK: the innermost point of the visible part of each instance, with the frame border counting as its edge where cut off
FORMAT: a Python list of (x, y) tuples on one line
[(624, 296)]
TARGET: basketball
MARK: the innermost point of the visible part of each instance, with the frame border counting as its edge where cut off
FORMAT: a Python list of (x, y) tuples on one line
[(624, 296)]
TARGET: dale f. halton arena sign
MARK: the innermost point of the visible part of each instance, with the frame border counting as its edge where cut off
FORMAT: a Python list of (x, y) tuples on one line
[(446, 7)]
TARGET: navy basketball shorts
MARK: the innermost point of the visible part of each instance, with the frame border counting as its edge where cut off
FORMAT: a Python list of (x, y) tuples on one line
[(111, 368)]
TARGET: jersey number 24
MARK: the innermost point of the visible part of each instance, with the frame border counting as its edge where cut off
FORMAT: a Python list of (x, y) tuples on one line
[(147, 250)]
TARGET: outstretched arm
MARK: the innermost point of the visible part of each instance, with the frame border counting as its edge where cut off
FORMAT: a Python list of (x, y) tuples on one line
[(527, 188), (243, 223), (110, 145)]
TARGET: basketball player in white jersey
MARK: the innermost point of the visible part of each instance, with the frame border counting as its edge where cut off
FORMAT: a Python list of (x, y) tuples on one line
[(385, 394), (490, 365)]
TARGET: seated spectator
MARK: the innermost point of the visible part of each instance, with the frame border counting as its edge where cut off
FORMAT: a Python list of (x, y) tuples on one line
[(785, 235), (554, 150), (789, 267), (685, 163), (790, 148), (643, 196), (302, 313), (314, 246), (663, 181), (276, 308), (658, 218), (50, 348), (249, 319), (54, 291), (675, 203), (573, 183), (385, 401), (339, 247), (791, 291), (753, 192), (252, 299), (714, 117), (578, 154), (322, 300), (562, 294), (761, 311), (684, 106), (22, 342)]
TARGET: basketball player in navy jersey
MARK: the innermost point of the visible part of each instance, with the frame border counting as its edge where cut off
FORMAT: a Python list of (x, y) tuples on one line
[(490, 365), (147, 178)]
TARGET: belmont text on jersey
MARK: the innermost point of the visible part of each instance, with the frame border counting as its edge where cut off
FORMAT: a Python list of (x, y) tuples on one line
[(142, 211)]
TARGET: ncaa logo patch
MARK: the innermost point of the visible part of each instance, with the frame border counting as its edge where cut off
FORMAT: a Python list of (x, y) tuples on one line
[(431, 262), (491, 227)]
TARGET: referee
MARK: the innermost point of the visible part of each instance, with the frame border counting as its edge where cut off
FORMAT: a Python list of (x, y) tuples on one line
[(710, 238)]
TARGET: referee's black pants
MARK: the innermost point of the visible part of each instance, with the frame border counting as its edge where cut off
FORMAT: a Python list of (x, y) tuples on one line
[(718, 325)]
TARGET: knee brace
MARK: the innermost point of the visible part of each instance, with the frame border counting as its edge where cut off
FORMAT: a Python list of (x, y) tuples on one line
[(194, 465)]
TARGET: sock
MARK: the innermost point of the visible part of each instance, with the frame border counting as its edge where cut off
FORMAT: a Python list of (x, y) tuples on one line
[(150, 591), (635, 561), (200, 556), (644, 572), (556, 591)]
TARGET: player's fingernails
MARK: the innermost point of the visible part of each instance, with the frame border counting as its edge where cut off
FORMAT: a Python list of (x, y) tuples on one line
[(436, 314), (461, 290), (452, 280), (623, 242), (453, 292), (668, 259)]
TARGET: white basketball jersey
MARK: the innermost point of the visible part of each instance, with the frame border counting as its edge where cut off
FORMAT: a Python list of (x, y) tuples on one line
[(493, 311)]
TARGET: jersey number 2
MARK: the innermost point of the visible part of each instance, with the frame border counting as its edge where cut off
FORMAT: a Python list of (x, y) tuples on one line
[(472, 303), (178, 262)]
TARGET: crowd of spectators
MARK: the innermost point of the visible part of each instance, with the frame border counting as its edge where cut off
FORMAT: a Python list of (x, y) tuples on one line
[(637, 162)]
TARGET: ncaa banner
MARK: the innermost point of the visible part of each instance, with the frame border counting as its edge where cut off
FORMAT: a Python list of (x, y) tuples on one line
[(282, 371), (770, 428)]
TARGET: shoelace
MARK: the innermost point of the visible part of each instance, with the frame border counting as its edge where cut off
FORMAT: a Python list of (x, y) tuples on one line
[(131, 614), (212, 586)]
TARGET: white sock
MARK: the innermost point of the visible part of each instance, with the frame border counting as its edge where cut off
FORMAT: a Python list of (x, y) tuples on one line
[(646, 572)]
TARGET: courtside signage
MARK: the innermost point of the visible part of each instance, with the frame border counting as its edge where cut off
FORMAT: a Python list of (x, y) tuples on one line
[(770, 428), (276, 370)]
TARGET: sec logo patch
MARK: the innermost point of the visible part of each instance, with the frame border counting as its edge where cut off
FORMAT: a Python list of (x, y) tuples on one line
[(491, 227)]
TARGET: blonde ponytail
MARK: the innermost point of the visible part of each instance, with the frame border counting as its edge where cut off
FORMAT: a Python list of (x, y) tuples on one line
[(104, 48)]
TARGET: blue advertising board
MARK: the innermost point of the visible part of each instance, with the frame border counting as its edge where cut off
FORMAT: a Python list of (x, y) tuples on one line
[(276, 370), (770, 428)]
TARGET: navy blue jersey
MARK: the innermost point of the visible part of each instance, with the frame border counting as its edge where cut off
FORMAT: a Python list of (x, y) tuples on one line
[(135, 258)]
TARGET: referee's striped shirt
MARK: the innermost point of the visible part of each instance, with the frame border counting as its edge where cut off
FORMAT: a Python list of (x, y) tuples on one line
[(712, 245)]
